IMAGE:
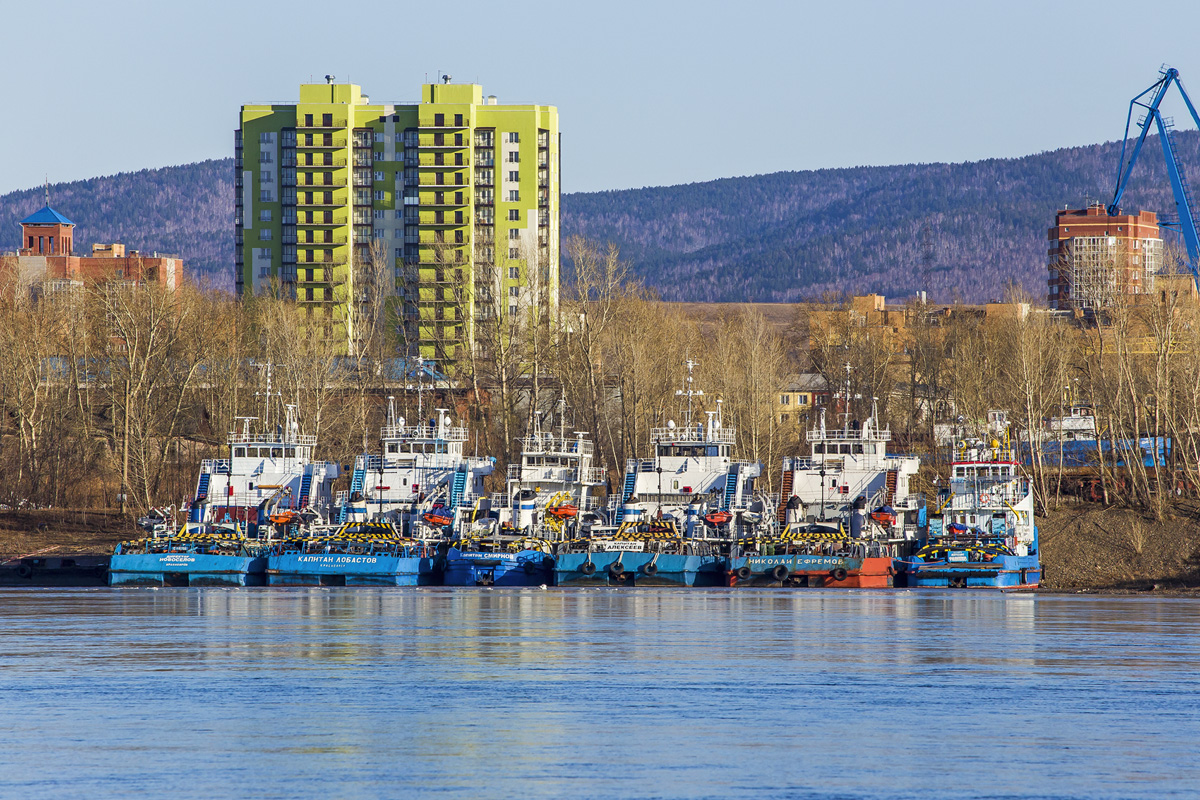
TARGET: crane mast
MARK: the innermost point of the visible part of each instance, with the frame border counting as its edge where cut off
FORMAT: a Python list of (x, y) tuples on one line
[(1150, 100)]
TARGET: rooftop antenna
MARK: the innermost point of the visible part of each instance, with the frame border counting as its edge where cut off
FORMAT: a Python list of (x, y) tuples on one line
[(47, 190), (330, 79)]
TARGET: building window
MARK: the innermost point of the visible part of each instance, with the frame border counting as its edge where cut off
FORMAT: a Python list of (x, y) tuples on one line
[(266, 138), (514, 215), (264, 156), (514, 273), (513, 291), (514, 156), (264, 196), (379, 195), (514, 195), (399, 253), (514, 177), (399, 213), (378, 174), (380, 213), (512, 311), (512, 137), (380, 233), (264, 234), (458, 120), (514, 233), (439, 120), (785, 399), (264, 215), (514, 252)]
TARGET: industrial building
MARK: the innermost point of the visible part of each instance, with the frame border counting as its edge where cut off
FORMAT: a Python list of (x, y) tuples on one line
[(1096, 258), (459, 193)]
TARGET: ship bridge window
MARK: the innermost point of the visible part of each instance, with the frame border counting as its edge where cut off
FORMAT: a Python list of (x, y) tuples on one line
[(276, 452), (858, 448), (393, 449), (845, 449), (959, 472), (239, 452), (289, 452), (819, 448), (870, 448)]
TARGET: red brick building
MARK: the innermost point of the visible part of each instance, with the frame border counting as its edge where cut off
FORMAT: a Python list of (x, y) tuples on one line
[(46, 259), (1094, 258)]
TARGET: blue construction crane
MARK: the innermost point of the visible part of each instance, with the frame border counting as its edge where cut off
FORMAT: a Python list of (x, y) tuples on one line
[(1166, 134)]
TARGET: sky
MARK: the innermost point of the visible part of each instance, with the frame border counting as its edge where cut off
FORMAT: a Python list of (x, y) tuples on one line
[(649, 93)]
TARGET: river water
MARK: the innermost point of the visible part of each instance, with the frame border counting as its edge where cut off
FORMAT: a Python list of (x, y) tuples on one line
[(331, 693)]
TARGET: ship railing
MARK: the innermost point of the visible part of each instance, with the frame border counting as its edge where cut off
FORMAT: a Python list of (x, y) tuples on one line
[(476, 464), (982, 484), (646, 465), (697, 433), (874, 435), (555, 445), (215, 466), (432, 432), (499, 500), (832, 463), (271, 439)]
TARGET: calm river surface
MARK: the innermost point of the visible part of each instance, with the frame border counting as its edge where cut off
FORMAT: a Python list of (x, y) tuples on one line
[(330, 693)]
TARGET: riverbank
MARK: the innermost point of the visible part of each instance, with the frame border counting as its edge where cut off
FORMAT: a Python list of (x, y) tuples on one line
[(61, 532)]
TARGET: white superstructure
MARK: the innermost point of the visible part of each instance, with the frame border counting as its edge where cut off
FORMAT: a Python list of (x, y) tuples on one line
[(419, 468), (988, 497), (692, 475)]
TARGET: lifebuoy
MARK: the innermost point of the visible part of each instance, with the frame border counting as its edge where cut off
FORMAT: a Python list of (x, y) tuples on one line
[(779, 573), (587, 568), (650, 569), (838, 574), (742, 573)]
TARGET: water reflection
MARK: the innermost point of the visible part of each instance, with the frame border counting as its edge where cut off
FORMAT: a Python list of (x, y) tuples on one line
[(306, 692)]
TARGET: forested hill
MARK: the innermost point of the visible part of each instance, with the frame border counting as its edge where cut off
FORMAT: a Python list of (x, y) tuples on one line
[(786, 236)]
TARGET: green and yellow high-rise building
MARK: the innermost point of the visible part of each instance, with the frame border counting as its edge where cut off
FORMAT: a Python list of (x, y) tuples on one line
[(457, 194)]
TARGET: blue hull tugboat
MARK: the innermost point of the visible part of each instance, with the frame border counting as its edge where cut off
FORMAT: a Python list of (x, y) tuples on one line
[(678, 514), (219, 558), (480, 568), (985, 536), (269, 487), (357, 554)]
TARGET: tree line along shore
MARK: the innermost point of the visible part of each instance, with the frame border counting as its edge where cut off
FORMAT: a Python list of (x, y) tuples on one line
[(108, 391)]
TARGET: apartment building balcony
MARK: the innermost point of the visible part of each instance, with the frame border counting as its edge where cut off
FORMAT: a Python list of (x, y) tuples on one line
[(325, 142), (445, 202), (466, 162), (429, 143), (333, 162), (320, 124), (335, 183), (336, 261), (336, 221), (316, 202), (333, 240), (446, 125)]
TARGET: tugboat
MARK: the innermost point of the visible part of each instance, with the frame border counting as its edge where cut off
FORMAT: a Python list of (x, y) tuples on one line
[(269, 487), (551, 495), (420, 481), (846, 511), (356, 554), (984, 534), (678, 513)]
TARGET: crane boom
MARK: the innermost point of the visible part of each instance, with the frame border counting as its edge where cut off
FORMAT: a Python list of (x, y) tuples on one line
[(1184, 205)]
